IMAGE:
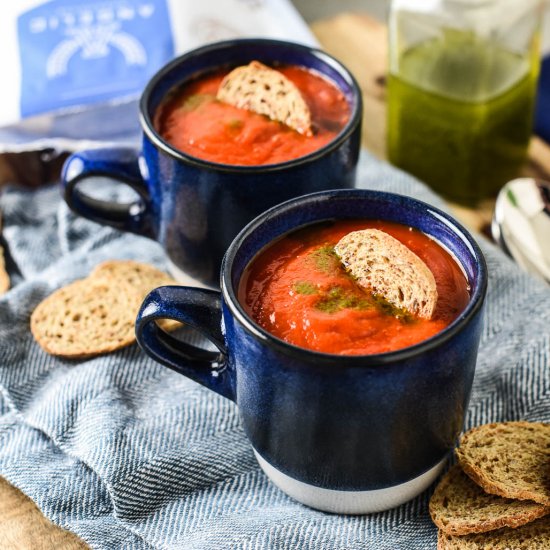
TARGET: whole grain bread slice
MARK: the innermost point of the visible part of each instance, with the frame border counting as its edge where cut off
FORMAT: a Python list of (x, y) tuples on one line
[(4, 276), (140, 277), (459, 506), (386, 267), (266, 91), (509, 459), (85, 318), (531, 536), (96, 315), (137, 277)]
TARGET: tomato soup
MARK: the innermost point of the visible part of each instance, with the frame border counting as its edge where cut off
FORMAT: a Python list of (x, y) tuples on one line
[(298, 290), (193, 121)]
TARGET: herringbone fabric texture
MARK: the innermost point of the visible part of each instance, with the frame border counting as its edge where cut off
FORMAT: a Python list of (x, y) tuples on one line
[(128, 454)]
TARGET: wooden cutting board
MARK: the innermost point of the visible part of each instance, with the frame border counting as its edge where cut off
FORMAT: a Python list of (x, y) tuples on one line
[(24, 527), (360, 43)]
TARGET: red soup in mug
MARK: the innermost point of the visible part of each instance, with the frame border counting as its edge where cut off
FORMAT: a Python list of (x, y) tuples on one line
[(193, 121), (297, 289)]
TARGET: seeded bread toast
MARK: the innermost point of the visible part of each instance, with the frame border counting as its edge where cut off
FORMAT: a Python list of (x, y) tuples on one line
[(96, 315), (459, 507), (383, 265), (532, 536), (140, 277), (509, 459), (4, 277), (265, 91), (85, 318)]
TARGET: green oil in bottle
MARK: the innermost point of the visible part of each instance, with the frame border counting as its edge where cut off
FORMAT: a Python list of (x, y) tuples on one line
[(460, 114)]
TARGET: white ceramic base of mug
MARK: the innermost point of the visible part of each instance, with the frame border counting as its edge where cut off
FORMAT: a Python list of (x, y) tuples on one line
[(350, 502), (183, 278)]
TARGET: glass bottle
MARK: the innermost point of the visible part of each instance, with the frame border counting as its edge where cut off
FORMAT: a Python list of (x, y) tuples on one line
[(461, 91)]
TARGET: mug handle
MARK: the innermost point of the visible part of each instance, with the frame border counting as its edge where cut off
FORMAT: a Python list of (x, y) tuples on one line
[(200, 309), (119, 163)]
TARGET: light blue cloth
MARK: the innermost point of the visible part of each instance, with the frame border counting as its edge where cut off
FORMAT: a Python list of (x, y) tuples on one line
[(128, 454)]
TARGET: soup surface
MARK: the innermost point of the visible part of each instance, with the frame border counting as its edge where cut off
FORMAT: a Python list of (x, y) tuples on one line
[(297, 289), (193, 121)]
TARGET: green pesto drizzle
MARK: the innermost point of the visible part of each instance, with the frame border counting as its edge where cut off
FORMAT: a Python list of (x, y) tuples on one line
[(325, 258), (337, 299), (193, 102), (389, 309), (304, 287), (235, 124)]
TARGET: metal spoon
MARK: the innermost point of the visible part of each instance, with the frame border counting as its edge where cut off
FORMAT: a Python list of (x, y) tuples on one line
[(521, 224)]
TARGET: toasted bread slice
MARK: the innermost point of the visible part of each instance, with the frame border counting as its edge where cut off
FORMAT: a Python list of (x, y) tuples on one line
[(509, 459), (531, 536), (85, 318), (139, 277), (265, 91), (4, 277), (386, 267), (459, 507), (96, 315)]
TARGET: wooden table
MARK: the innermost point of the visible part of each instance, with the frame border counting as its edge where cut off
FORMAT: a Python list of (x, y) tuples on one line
[(360, 43)]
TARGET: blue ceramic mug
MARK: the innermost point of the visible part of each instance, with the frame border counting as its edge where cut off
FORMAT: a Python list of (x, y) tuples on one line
[(195, 207), (348, 434)]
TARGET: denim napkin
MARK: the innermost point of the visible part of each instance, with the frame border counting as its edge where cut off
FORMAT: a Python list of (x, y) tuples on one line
[(128, 454)]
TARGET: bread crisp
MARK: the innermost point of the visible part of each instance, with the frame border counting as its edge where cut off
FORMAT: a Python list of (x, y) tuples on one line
[(84, 319), (4, 277), (96, 315), (265, 91), (141, 278), (386, 267), (532, 536), (459, 507), (509, 459)]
